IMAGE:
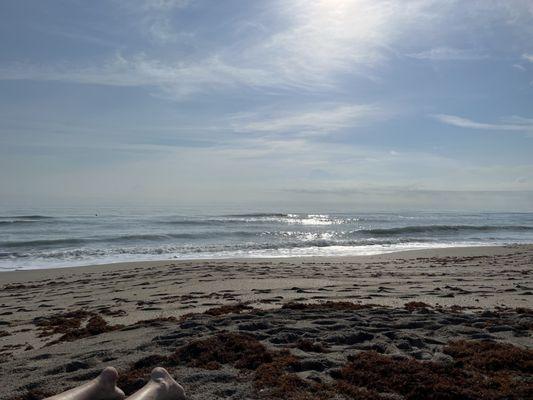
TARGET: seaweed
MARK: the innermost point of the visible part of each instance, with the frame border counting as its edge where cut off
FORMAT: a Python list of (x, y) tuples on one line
[(416, 305), (473, 376), (70, 325), (61, 323), (228, 309), (310, 346), (488, 356), (240, 350), (133, 379), (332, 305), (154, 322)]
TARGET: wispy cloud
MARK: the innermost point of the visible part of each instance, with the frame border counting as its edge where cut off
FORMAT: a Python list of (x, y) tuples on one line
[(164, 5), (178, 79), (319, 40), (528, 57), (157, 19), (321, 118), (513, 123), (302, 45), (154, 18), (448, 53)]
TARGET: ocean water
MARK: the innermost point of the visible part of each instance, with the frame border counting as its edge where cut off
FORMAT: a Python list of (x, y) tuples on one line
[(32, 239)]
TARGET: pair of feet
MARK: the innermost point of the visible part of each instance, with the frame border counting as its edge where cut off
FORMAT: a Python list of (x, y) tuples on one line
[(160, 387)]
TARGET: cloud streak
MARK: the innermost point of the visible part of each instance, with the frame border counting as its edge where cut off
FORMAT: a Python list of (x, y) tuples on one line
[(514, 123), (448, 54), (179, 79), (321, 119)]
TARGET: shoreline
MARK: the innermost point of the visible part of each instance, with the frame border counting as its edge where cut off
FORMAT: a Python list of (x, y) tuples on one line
[(248, 278), (423, 252)]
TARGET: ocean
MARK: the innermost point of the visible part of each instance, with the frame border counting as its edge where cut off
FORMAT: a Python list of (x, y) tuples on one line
[(31, 239)]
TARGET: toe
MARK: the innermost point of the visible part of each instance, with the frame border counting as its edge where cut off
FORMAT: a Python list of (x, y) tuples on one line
[(109, 375), (159, 374)]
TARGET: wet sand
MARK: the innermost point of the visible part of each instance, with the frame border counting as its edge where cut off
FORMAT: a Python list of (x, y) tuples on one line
[(420, 302)]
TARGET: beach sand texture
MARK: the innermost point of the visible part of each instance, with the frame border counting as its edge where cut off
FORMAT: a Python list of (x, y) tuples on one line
[(60, 327)]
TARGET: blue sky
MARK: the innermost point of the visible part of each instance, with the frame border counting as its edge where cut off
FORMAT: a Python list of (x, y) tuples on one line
[(327, 104)]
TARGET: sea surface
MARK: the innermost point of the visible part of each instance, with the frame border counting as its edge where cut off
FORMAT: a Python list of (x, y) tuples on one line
[(31, 239)]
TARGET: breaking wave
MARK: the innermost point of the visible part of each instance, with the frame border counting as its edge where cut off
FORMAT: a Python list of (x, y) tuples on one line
[(428, 229)]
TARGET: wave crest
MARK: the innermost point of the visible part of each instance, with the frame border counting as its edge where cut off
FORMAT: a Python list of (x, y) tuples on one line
[(444, 229)]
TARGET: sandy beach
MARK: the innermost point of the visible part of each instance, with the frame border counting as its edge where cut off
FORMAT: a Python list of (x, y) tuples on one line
[(312, 319)]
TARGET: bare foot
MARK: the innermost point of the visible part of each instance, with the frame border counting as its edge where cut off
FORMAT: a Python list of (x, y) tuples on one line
[(160, 387), (101, 388)]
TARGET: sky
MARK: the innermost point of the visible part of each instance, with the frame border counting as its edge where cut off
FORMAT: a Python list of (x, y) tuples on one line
[(282, 104)]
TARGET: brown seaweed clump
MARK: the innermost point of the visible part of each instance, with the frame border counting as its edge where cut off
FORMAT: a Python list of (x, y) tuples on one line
[(411, 379), (416, 305), (490, 357), (236, 308), (310, 346), (228, 309), (95, 326), (274, 372), (138, 374), (482, 370), (331, 305), (70, 326), (61, 323), (240, 350), (154, 322), (278, 380)]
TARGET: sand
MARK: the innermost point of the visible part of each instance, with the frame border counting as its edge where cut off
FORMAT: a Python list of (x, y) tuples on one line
[(480, 293)]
